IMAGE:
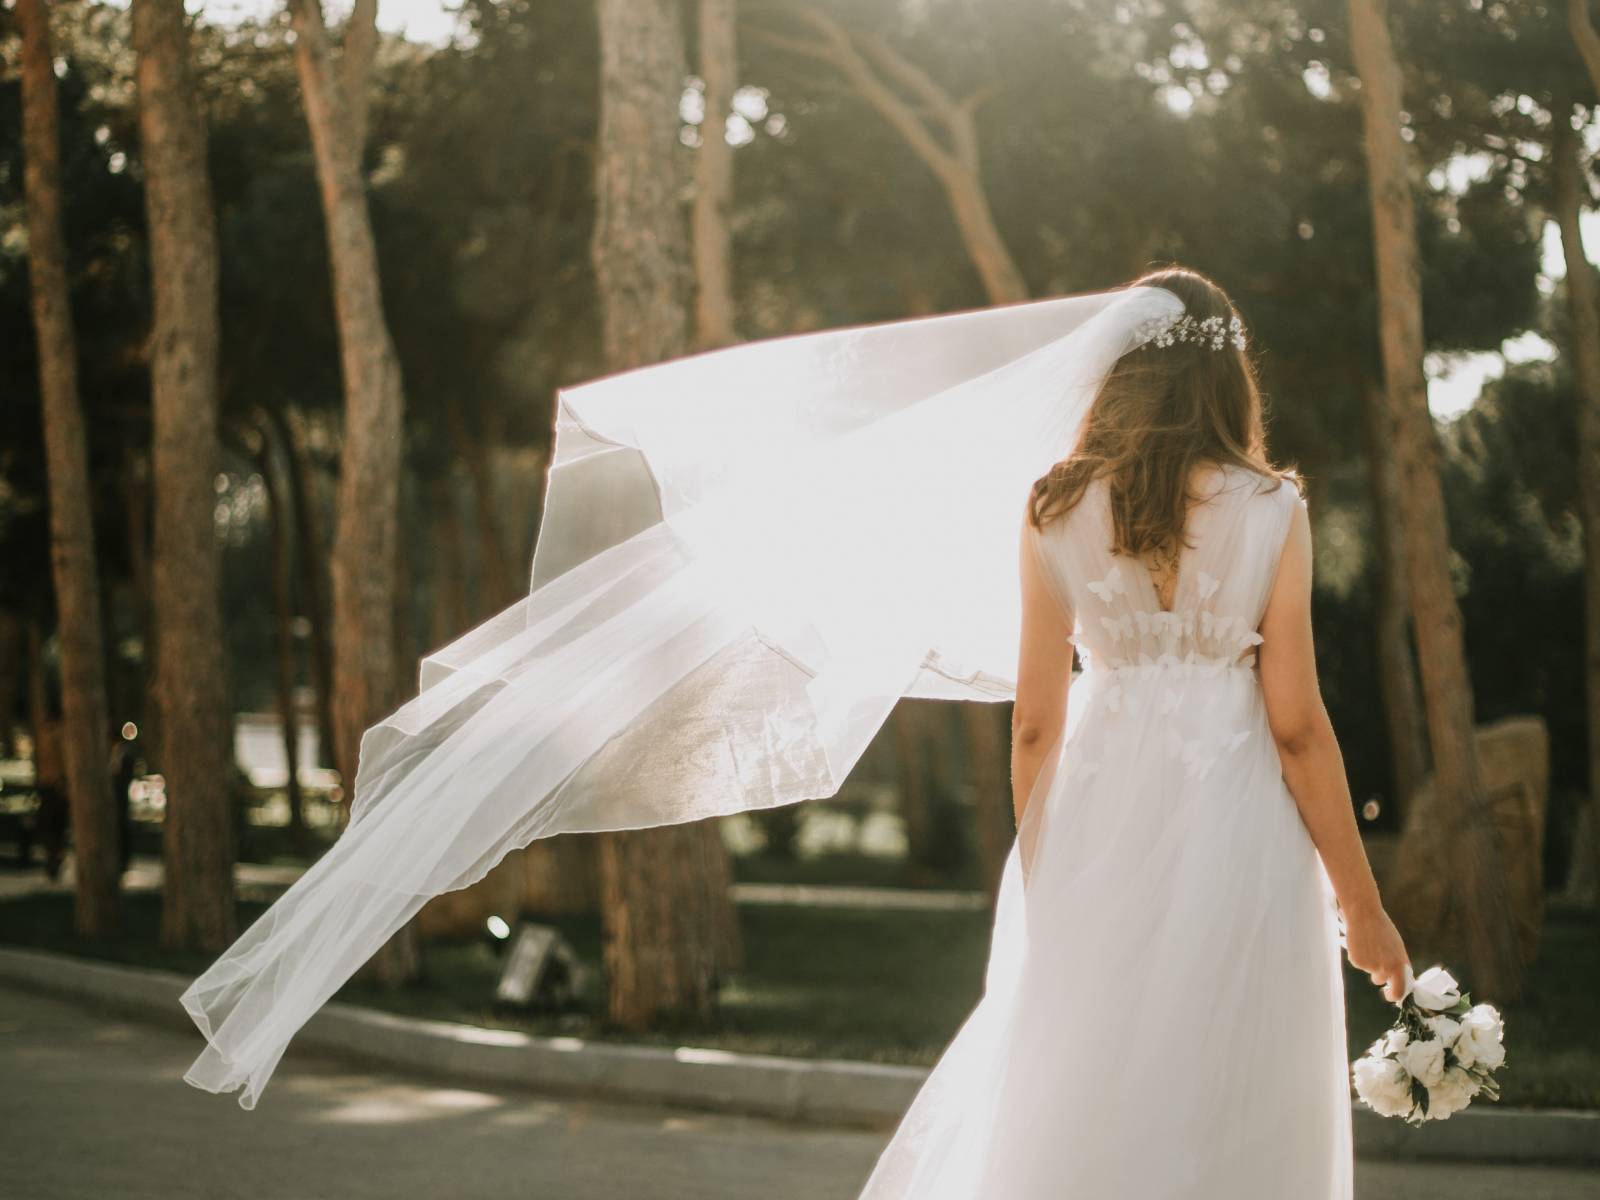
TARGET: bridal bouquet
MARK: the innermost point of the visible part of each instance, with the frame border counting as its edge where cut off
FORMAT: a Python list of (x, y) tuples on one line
[(1442, 1051)]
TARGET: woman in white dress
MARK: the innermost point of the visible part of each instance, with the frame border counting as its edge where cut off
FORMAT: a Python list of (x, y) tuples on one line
[(1163, 1015), (747, 557)]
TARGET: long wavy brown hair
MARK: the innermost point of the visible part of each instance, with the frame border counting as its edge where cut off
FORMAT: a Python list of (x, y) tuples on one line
[(1162, 412)]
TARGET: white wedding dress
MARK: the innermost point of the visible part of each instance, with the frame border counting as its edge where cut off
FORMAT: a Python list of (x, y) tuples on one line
[(1163, 1015), (746, 558)]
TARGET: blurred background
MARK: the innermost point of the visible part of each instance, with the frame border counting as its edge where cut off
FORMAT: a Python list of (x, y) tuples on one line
[(278, 397)]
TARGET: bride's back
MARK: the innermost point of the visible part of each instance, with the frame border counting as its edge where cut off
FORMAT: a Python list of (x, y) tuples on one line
[(1235, 532)]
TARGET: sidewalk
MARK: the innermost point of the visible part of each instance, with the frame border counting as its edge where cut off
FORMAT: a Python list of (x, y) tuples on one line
[(829, 1092)]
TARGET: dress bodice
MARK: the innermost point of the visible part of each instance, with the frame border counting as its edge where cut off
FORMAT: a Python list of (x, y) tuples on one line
[(1235, 535)]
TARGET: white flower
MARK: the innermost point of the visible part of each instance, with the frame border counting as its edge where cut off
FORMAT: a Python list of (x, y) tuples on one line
[(1384, 1085), (1446, 1029), (1451, 1094), (1436, 990), (1480, 1042), (1424, 1060), (1392, 1042)]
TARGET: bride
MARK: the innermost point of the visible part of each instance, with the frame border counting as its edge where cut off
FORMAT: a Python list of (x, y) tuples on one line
[(747, 557), (1164, 1014)]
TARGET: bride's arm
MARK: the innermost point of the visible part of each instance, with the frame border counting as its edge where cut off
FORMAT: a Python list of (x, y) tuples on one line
[(1044, 672), (1313, 768)]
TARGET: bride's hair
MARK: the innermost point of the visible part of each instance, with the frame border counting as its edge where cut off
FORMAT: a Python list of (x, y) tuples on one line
[(1163, 410)]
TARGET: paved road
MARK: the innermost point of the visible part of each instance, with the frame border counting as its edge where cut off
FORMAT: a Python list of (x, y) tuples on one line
[(94, 1107)]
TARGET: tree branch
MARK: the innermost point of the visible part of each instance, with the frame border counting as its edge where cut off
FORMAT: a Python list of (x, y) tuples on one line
[(841, 51), (359, 49), (1584, 35)]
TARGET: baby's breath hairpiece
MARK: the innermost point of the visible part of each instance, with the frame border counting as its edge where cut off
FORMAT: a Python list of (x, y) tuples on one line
[(1211, 332)]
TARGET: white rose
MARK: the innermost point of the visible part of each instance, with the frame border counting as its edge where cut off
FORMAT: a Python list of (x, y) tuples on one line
[(1392, 1042), (1436, 990), (1451, 1094), (1481, 1037), (1384, 1085), (1446, 1029), (1425, 1060)]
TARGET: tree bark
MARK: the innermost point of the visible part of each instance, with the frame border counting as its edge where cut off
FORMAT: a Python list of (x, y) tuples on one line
[(363, 568), (11, 668), (278, 522), (313, 580), (713, 179), (197, 903), (405, 649), (1571, 193), (989, 760), (660, 900), (639, 243), (1466, 838), (472, 447), (137, 488), (1397, 667), (561, 874), (449, 615), (369, 470), (357, 52), (1585, 38), (72, 549)]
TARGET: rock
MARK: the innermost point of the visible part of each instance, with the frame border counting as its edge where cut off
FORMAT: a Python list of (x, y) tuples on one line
[(1515, 756)]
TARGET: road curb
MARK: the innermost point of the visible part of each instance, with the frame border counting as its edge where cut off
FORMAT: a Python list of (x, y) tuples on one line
[(794, 1089)]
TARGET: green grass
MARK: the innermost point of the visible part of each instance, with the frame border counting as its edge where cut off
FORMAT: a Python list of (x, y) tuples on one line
[(884, 986)]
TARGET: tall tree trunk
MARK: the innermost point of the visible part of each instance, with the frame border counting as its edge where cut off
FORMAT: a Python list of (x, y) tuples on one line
[(359, 48), (369, 469), (278, 522), (11, 668), (363, 569), (47, 767), (472, 447), (713, 179), (405, 625), (313, 580), (994, 819), (1397, 667), (137, 487), (1465, 829), (1572, 191), (663, 932), (72, 551), (197, 904), (449, 617)]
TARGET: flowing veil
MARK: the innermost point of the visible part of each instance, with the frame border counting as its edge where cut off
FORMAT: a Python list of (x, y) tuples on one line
[(745, 558)]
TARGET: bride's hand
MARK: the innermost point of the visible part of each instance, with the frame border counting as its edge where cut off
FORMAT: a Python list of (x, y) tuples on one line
[(1373, 945)]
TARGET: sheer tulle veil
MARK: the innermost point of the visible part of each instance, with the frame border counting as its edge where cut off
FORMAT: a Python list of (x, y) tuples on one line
[(745, 558)]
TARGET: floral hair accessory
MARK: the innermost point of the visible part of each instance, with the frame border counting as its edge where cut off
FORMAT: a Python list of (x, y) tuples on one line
[(1210, 332)]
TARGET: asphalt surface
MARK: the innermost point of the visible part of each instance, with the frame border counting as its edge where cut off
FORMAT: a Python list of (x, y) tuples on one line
[(92, 1106)]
